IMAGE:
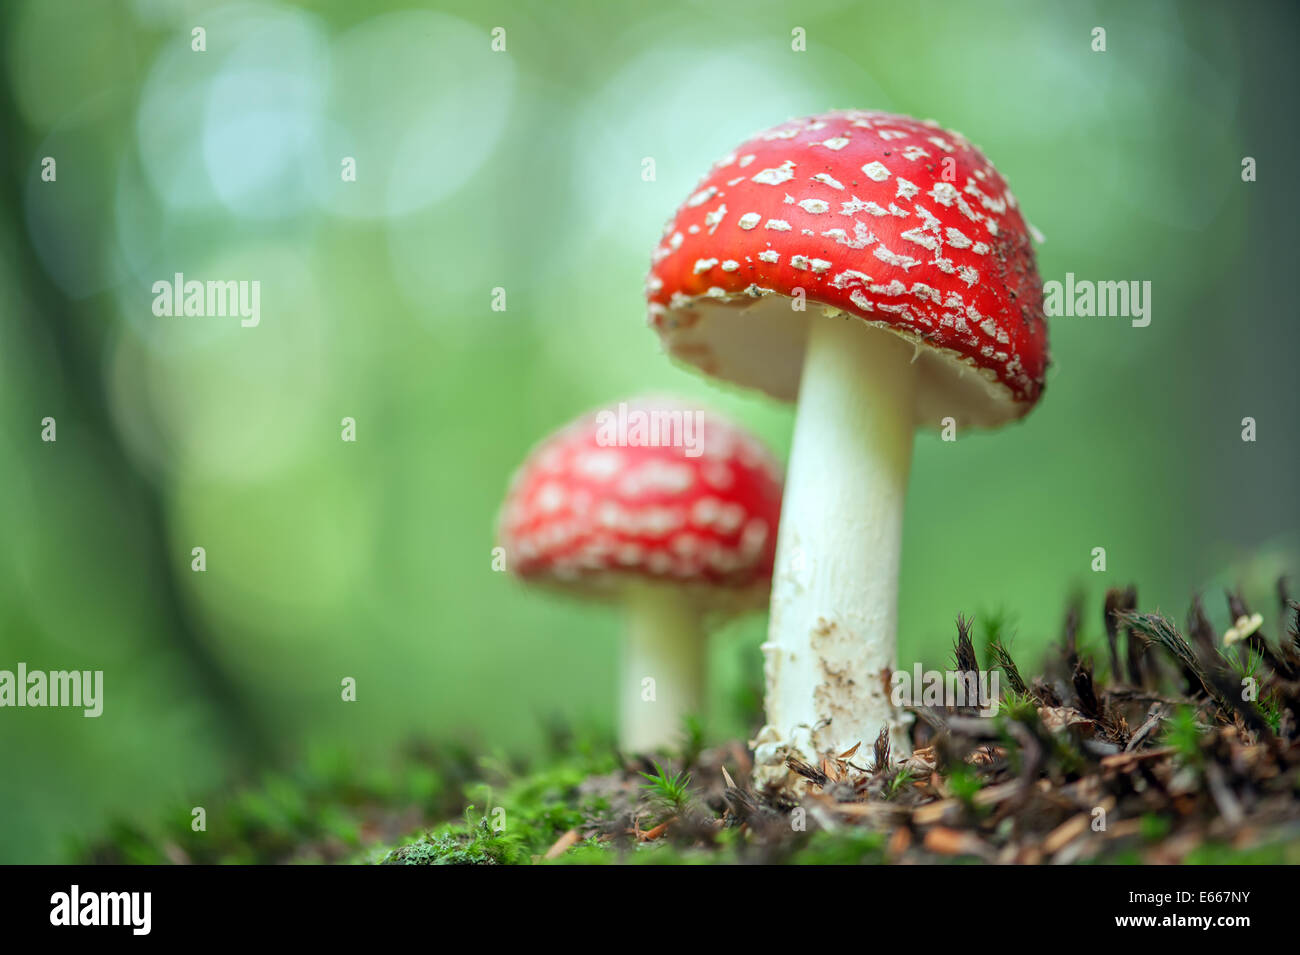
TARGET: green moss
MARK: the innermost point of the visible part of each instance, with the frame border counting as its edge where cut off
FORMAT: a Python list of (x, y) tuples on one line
[(852, 847), (324, 810), (964, 784), (670, 791), (524, 813), (1281, 853), (898, 782), (1020, 707), (1183, 733), (476, 842), (1154, 828)]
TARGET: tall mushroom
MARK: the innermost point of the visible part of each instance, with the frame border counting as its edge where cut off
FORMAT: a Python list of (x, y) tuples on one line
[(668, 509), (878, 269)]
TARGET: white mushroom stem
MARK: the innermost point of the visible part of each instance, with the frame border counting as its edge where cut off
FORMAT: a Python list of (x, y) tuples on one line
[(832, 640), (663, 667)]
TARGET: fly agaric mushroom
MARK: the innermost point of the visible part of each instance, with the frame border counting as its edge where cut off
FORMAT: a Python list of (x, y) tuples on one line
[(671, 511), (878, 269)]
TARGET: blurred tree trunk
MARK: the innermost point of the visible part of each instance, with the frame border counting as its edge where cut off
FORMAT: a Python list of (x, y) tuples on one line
[(78, 356)]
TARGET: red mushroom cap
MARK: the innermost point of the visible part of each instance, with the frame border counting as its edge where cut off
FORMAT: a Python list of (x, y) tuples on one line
[(597, 504), (898, 222)]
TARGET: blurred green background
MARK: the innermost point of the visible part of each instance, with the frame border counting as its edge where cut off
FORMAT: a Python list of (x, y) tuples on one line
[(522, 170)]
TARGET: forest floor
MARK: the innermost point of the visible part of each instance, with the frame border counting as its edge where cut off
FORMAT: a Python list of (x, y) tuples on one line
[(1187, 751)]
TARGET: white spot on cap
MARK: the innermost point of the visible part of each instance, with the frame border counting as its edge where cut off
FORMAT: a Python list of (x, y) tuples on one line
[(550, 497), (749, 220), (744, 161), (665, 477), (659, 562), (836, 143), (777, 225), (777, 174), (788, 133), (967, 211), (906, 190), (770, 255), (729, 518), (893, 258), (815, 206), (856, 205), (876, 171), (900, 308), (944, 193), (754, 536), (703, 265), (686, 545), (996, 206), (598, 465), (703, 196), (713, 218), (718, 476), (850, 277), (923, 239), (829, 180), (927, 217), (862, 236), (659, 521), (705, 511), (629, 554)]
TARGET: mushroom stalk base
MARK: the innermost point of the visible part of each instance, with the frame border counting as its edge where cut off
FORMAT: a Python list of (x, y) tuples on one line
[(832, 639), (663, 667)]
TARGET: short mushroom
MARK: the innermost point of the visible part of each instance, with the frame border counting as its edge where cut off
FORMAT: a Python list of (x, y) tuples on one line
[(668, 509), (877, 269)]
